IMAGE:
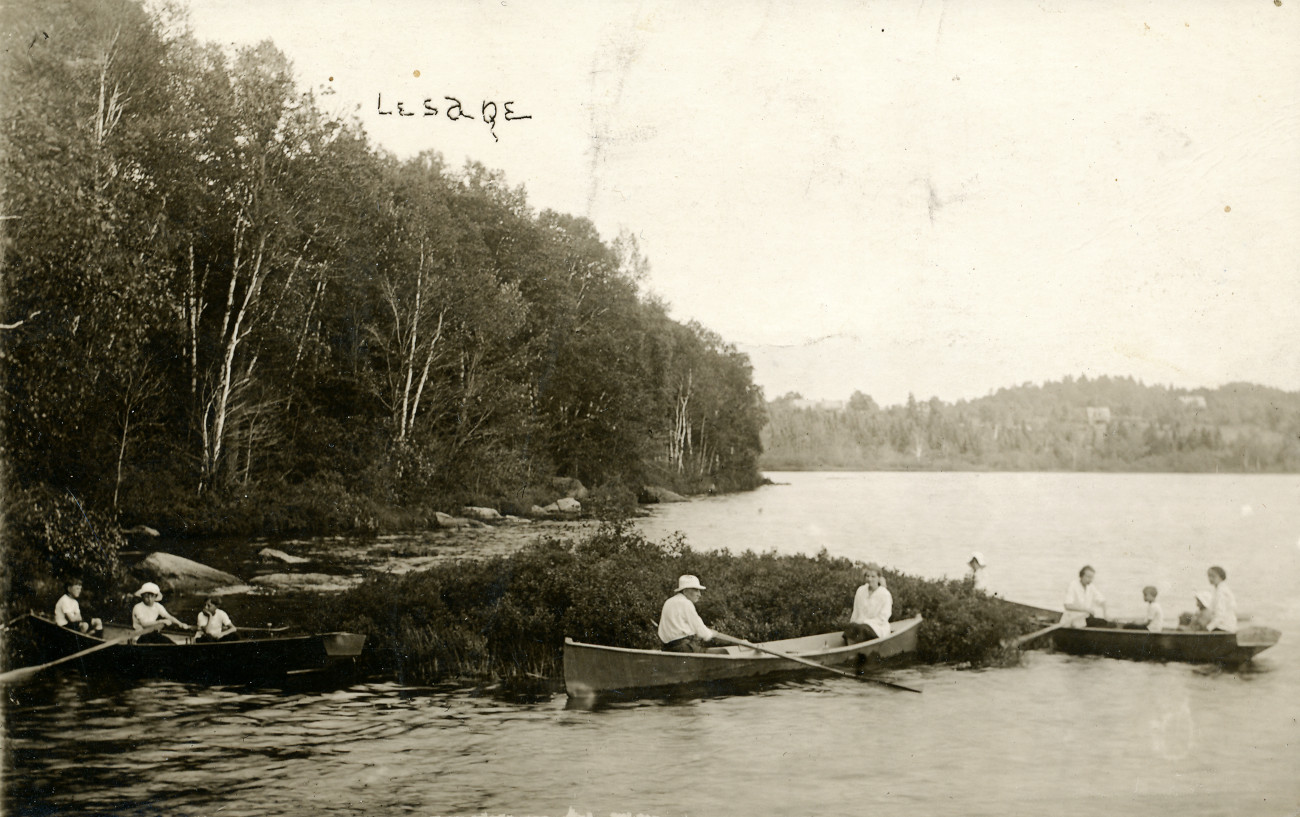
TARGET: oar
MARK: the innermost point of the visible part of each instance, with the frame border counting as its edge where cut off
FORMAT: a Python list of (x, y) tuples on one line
[(800, 660), (24, 673), (1036, 634)]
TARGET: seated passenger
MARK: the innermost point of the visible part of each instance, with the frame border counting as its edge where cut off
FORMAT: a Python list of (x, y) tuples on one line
[(1155, 616), (1084, 604), (67, 611), (1223, 604), (1198, 619), (872, 606), (150, 611), (214, 624)]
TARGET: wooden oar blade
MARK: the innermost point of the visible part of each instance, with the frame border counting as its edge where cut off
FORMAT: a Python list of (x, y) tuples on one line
[(24, 673)]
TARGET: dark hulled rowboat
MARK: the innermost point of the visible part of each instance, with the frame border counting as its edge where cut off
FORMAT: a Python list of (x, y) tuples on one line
[(590, 669), (227, 660), (1167, 645), (1194, 646)]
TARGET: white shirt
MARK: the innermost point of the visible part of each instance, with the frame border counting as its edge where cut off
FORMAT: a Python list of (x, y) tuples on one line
[(1155, 617), (143, 615), (215, 624), (873, 609), (67, 611), (1079, 596), (1223, 609), (679, 619)]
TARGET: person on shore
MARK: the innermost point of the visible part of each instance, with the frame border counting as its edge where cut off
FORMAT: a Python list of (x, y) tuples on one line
[(149, 611), (214, 624), (67, 611), (1155, 616), (1085, 606), (872, 606), (1223, 604), (976, 564), (680, 627)]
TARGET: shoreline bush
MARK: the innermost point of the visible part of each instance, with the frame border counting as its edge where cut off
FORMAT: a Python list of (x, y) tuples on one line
[(509, 616)]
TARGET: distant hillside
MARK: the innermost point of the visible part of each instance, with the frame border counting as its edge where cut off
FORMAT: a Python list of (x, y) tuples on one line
[(1103, 424)]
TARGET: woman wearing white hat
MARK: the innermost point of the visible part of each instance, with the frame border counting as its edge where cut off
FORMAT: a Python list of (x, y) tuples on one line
[(149, 611), (680, 627)]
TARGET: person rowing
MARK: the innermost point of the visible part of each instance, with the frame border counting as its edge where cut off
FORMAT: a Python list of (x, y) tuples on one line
[(1085, 606), (680, 627), (149, 611)]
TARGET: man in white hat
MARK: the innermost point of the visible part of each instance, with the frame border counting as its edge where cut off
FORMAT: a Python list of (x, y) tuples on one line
[(150, 611), (680, 627)]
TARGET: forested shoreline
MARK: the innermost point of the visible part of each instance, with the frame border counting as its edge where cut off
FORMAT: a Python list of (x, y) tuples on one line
[(226, 311), (1098, 424)]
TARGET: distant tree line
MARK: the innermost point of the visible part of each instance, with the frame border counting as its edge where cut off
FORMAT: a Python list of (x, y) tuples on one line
[(1099, 424), (226, 311)]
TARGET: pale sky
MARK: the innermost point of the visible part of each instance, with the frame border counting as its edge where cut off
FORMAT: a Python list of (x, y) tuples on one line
[(928, 197)]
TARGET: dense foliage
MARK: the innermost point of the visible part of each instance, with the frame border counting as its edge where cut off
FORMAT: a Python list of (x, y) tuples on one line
[(1102, 424), (225, 311), (511, 614)]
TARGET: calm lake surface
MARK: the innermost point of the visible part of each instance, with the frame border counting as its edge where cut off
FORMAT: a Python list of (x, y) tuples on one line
[(1057, 735)]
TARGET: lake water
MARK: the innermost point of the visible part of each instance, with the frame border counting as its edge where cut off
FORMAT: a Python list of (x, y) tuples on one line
[(1058, 735)]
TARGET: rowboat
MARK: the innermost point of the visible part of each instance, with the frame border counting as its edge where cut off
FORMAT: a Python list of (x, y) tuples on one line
[(591, 669), (266, 656), (1167, 645), (1193, 646)]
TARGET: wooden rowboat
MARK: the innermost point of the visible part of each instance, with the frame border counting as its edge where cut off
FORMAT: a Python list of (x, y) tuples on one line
[(591, 669), (1194, 646), (1167, 645), (267, 656)]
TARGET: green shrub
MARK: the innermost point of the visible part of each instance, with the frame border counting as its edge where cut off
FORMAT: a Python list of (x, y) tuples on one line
[(50, 536)]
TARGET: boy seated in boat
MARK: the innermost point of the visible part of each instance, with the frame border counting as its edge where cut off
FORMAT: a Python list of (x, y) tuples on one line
[(214, 624), (67, 611), (1155, 616)]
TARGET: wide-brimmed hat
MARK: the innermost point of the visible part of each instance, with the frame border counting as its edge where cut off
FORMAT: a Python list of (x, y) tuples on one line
[(978, 558), (1203, 597), (149, 587), (688, 582)]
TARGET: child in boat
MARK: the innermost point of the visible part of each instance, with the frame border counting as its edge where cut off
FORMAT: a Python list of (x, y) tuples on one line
[(67, 611), (1198, 619), (214, 624), (1155, 616), (149, 611)]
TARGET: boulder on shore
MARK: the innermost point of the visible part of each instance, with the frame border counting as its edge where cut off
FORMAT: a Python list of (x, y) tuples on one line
[(445, 520), (314, 582), (564, 506), (570, 487), (142, 530), (653, 493), (179, 573), (481, 514), (271, 554)]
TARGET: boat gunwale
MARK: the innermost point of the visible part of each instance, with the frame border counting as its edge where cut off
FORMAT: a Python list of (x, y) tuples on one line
[(906, 625)]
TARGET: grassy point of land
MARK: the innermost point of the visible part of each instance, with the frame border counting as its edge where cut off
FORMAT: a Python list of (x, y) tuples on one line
[(508, 616)]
